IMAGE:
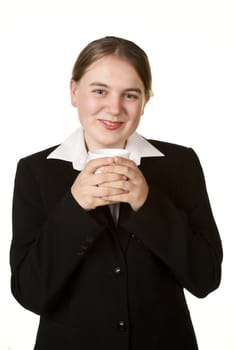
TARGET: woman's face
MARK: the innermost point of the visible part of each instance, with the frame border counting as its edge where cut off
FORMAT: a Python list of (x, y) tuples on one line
[(110, 100)]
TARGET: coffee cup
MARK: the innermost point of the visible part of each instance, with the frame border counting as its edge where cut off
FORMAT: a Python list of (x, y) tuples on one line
[(107, 152)]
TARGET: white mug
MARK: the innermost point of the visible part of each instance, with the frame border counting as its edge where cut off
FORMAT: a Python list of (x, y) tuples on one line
[(108, 152)]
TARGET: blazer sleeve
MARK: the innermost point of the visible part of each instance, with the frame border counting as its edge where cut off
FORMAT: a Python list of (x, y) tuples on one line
[(181, 232), (46, 247)]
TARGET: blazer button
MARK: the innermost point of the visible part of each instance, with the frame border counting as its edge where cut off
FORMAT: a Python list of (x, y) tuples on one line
[(89, 239), (80, 253), (117, 270), (122, 326), (83, 247)]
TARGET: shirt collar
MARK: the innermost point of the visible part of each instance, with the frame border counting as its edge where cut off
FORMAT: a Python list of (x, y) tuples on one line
[(73, 149)]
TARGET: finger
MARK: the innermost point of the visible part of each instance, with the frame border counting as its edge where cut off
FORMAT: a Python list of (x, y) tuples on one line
[(124, 162), (105, 191), (123, 185), (128, 172), (93, 165), (102, 202), (105, 178), (90, 197), (97, 202), (118, 198)]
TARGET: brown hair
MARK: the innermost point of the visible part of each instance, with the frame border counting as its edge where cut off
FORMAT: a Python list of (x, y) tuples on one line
[(123, 48)]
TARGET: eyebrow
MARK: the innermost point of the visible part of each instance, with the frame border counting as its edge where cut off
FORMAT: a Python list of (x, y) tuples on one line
[(131, 89)]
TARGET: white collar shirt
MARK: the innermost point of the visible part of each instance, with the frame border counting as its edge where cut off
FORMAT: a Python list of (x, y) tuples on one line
[(73, 149)]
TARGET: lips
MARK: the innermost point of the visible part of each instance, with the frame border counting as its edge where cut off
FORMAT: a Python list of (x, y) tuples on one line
[(110, 125)]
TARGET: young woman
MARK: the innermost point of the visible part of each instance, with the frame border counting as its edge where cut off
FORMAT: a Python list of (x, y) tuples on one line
[(112, 279)]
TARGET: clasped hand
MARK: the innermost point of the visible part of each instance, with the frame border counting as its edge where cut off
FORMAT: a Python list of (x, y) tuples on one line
[(118, 180)]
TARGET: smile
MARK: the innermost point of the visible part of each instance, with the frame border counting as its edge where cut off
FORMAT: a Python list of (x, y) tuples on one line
[(109, 125)]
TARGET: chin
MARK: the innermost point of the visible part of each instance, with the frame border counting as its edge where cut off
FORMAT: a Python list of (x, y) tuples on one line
[(112, 144)]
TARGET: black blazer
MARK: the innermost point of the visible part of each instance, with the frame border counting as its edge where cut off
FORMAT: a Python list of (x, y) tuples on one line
[(97, 286)]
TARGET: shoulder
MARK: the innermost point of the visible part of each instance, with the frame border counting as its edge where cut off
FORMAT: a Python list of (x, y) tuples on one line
[(40, 155), (179, 167), (47, 173), (168, 148), (177, 156), (35, 162)]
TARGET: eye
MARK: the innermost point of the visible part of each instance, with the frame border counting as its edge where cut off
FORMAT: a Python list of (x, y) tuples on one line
[(129, 96), (99, 91)]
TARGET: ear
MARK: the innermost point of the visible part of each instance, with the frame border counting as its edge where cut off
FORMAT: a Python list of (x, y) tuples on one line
[(73, 92)]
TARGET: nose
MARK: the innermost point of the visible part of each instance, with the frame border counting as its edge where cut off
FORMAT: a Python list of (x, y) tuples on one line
[(114, 105)]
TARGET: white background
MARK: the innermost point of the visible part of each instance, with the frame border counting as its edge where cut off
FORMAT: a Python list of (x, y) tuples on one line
[(191, 47)]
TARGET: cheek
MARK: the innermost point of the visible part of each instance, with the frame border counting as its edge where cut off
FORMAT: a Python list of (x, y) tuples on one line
[(136, 111), (87, 105)]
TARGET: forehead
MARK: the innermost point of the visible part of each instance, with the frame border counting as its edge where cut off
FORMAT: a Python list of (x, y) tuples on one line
[(114, 69)]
